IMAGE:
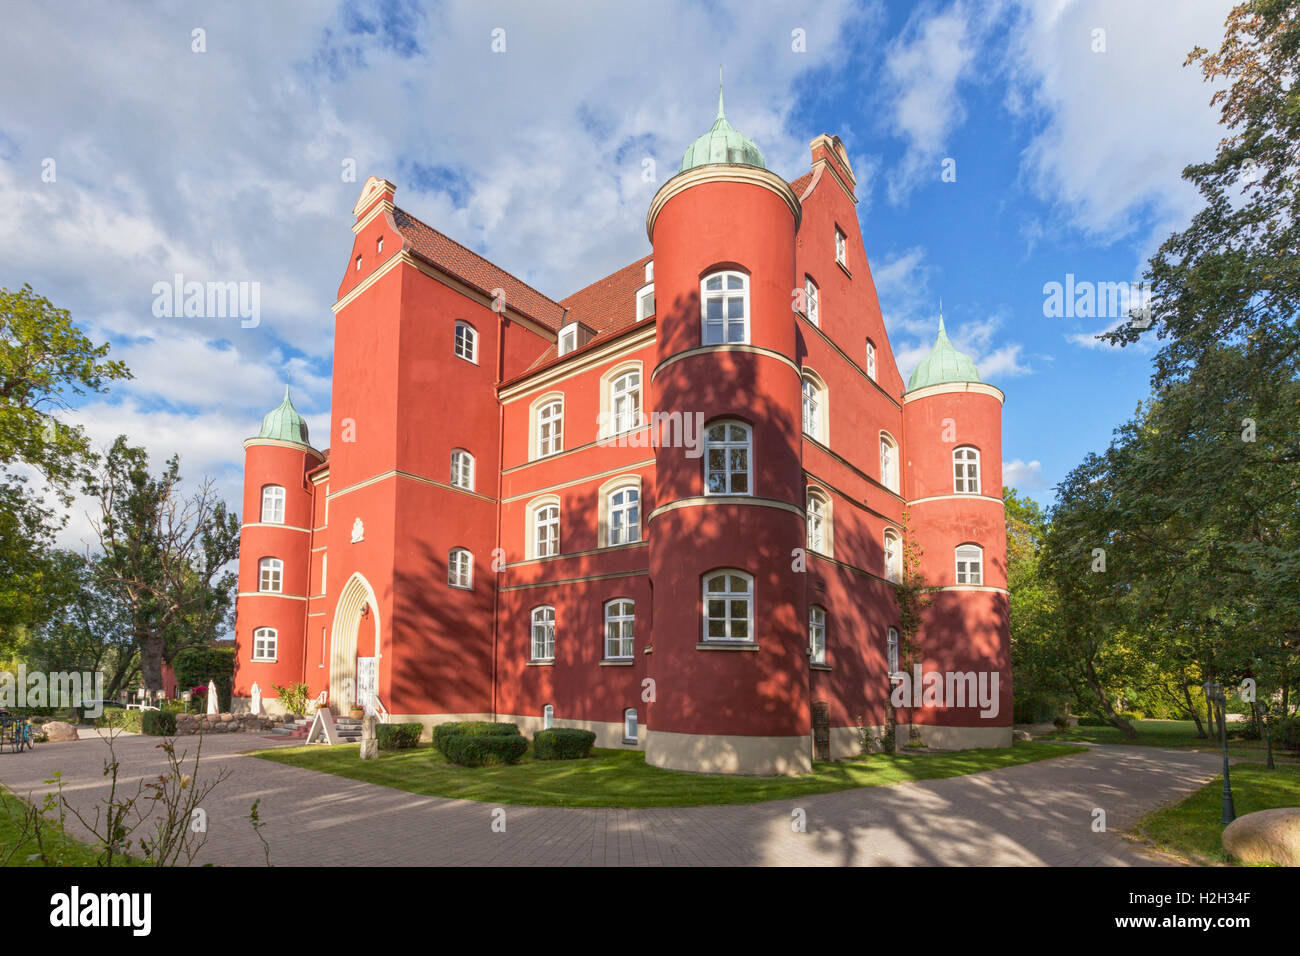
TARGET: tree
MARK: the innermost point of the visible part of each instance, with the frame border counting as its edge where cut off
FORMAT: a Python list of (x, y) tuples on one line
[(44, 360), (165, 555), (912, 595)]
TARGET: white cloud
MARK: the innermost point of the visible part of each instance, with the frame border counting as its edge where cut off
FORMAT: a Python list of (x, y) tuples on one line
[(1117, 127), (1023, 475)]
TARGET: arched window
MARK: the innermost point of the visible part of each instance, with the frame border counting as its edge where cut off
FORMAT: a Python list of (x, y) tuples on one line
[(871, 360), (625, 402), (966, 470), (550, 427), (462, 469), (891, 650), (620, 615), (893, 557), (888, 463), (818, 521), (548, 717), (543, 643), (727, 459), (460, 568), (273, 504), (545, 529), (270, 574), (728, 606), (970, 564), (624, 515), (814, 407), (629, 726), (264, 644), (817, 634), (466, 342), (811, 309), (724, 298)]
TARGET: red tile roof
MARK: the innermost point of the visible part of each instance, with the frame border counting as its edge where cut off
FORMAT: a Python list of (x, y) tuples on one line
[(468, 266)]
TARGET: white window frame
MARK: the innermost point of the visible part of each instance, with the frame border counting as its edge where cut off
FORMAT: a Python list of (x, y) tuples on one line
[(273, 504), (548, 717), (871, 360), (728, 598), (727, 445), (568, 340), (969, 564), (892, 649), (266, 642), (966, 470), (724, 323), (817, 634), (810, 303), (817, 520), (537, 525), (629, 725), (894, 566), (462, 469), (539, 619), (841, 247), (465, 339), (460, 569), (813, 407), (628, 512), (620, 620), (552, 442), (625, 402), (889, 472), (270, 576), (643, 295)]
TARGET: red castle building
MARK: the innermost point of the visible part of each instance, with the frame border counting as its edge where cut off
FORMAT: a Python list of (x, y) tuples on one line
[(669, 508)]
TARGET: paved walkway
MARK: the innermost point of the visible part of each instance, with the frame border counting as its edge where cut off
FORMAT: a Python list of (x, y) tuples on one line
[(1034, 814)]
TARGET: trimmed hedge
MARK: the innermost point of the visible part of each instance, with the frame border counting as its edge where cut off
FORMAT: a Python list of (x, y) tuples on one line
[(159, 723), (1286, 734), (484, 750), (563, 743), (398, 736), (471, 728)]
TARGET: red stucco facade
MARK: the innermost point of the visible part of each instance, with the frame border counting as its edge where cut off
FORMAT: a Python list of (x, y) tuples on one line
[(369, 526)]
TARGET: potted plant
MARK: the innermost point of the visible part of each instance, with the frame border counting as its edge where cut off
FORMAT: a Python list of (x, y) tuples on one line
[(356, 712)]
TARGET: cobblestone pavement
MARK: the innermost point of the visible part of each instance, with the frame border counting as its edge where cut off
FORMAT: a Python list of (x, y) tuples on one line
[(1033, 814)]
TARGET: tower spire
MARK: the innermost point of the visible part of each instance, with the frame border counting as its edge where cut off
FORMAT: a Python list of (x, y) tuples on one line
[(720, 115), (941, 315)]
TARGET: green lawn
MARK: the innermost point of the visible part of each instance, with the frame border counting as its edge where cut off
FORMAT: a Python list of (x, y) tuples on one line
[(59, 850), (621, 778), (1192, 829), (1178, 734)]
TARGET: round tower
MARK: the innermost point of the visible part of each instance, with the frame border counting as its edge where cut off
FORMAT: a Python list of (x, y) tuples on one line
[(729, 660), (952, 425), (274, 555)]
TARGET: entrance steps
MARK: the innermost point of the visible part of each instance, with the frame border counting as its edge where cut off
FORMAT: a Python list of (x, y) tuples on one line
[(349, 729)]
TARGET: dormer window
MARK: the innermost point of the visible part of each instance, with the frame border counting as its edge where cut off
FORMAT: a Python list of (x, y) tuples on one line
[(568, 339), (573, 336), (645, 302)]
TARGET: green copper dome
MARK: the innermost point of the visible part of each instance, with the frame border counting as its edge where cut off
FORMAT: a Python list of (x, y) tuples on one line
[(722, 144), (943, 364), (284, 423)]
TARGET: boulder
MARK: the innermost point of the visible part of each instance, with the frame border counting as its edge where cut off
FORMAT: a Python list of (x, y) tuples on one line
[(57, 731), (1022, 736), (1267, 836)]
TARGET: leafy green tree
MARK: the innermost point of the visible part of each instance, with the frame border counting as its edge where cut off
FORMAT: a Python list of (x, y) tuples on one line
[(166, 556)]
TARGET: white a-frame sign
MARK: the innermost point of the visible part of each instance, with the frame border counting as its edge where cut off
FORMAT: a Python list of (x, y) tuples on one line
[(322, 728)]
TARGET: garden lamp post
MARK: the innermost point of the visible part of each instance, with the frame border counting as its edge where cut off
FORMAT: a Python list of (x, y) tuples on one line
[(1215, 698), (186, 696)]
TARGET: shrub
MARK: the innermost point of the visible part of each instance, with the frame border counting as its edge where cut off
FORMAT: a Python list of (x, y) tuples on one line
[(563, 743), (484, 750), (295, 698), (471, 728), (129, 720), (398, 736), (159, 723), (1286, 734), (199, 664)]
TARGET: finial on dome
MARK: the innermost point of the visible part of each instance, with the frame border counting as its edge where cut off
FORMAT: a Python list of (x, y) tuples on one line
[(720, 115)]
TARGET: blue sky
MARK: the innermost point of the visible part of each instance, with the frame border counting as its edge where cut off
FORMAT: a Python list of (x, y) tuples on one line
[(224, 164)]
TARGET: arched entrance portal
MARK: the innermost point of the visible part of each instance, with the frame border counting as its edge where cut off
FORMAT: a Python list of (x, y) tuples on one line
[(356, 616)]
